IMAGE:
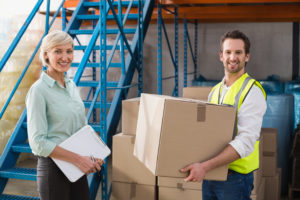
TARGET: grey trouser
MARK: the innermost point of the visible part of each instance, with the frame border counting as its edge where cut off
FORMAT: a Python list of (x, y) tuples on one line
[(54, 185)]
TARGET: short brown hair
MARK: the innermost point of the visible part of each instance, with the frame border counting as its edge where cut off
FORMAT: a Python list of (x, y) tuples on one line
[(236, 34)]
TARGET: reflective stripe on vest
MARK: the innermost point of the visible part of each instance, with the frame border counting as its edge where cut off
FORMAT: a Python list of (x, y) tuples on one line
[(235, 96)]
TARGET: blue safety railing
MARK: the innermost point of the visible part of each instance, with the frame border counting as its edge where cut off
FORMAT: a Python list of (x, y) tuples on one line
[(15, 43), (130, 51)]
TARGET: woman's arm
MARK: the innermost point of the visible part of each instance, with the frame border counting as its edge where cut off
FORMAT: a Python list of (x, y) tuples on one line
[(84, 163)]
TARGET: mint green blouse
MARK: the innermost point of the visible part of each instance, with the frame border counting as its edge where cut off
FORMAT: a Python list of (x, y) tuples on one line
[(54, 113)]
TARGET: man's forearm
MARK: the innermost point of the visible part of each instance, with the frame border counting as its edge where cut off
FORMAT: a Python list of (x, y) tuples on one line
[(227, 156)]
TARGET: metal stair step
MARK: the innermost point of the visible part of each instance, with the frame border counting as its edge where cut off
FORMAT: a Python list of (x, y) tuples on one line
[(87, 104), (97, 47), (15, 197), (124, 3), (21, 148), (96, 83), (97, 65), (109, 17), (108, 31), (19, 173)]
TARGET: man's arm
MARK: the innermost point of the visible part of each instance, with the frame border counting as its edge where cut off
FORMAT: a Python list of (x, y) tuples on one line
[(249, 124), (199, 170)]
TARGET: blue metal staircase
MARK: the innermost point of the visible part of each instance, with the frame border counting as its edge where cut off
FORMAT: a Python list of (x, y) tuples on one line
[(124, 55)]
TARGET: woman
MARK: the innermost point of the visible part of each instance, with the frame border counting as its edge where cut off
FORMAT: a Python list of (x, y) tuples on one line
[(54, 112)]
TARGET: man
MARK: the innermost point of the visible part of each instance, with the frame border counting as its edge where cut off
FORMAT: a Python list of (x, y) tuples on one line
[(248, 97)]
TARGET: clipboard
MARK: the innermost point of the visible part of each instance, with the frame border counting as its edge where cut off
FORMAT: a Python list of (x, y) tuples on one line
[(85, 142)]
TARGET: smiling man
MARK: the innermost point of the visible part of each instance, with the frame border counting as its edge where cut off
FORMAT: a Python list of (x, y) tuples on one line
[(236, 89)]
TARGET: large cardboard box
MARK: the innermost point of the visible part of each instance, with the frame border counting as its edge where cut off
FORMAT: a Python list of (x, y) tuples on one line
[(126, 167), (130, 110), (173, 133), (270, 141), (199, 93), (269, 165), (177, 189), (260, 195), (273, 186), (269, 138), (131, 191), (257, 174)]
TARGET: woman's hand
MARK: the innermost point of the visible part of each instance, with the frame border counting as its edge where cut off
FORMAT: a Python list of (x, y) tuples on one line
[(87, 165)]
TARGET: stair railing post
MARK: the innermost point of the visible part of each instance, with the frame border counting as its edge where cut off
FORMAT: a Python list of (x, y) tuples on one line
[(103, 123)]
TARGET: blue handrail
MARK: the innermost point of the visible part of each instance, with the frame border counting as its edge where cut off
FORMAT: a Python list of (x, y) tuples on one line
[(29, 62), (19, 35)]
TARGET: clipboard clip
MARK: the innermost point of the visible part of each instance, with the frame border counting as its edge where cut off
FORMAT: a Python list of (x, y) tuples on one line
[(94, 160)]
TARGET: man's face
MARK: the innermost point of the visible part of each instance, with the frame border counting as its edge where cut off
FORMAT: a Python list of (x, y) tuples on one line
[(233, 56)]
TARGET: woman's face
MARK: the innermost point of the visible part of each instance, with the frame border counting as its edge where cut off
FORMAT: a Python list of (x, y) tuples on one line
[(60, 57)]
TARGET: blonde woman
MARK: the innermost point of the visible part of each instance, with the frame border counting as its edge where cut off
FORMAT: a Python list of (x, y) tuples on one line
[(54, 112)]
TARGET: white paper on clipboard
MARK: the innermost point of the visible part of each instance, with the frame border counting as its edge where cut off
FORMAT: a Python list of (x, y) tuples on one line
[(85, 142)]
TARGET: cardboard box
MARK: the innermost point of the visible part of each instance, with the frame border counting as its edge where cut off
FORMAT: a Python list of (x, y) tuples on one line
[(199, 93), (273, 186), (125, 167), (177, 189), (257, 174), (269, 165), (270, 141), (260, 195), (130, 110), (131, 191), (173, 133)]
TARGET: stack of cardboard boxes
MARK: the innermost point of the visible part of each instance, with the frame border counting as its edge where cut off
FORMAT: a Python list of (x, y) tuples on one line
[(173, 133), (162, 134), (259, 181), (131, 180), (269, 164)]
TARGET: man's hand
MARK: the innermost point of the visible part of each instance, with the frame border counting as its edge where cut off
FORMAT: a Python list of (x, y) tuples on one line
[(196, 172)]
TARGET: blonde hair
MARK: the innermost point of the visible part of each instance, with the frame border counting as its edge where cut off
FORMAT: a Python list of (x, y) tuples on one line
[(53, 39)]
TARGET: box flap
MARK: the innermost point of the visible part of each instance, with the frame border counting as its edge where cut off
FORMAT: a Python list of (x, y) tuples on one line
[(148, 130)]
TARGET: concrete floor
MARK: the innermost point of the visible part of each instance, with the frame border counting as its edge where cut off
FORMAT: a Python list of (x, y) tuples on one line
[(28, 188)]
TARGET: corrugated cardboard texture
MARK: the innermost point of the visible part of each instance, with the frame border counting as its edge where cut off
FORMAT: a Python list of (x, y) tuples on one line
[(178, 183), (130, 110), (199, 93), (273, 186), (126, 167), (257, 174), (127, 191), (167, 193), (270, 141), (260, 195), (169, 137), (269, 165)]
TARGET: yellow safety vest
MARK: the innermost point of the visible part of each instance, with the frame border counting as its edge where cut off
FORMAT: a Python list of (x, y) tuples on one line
[(235, 96)]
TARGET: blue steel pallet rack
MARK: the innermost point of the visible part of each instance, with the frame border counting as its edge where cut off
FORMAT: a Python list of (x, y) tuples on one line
[(174, 56), (131, 60)]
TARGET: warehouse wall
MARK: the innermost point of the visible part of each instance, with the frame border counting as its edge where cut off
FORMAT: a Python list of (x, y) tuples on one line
[(271, 52)]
